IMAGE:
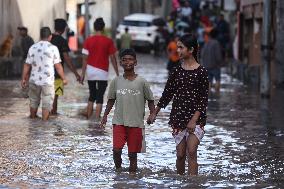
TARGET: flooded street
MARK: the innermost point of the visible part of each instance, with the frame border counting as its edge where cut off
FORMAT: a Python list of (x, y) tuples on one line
[(243, 146)]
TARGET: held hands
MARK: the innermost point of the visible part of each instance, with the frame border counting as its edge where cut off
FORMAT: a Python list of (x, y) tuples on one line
[(78, 78), (82, 79), (152, 117), (103, 122)]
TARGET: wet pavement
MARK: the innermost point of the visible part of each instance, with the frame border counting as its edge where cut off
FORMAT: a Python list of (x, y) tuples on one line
[(243, 146)]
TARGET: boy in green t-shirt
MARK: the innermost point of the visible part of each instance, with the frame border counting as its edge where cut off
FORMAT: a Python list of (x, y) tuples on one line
[(129, 93)]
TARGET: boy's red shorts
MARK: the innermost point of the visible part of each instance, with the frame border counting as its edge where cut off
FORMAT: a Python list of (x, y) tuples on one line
[(131, 135)]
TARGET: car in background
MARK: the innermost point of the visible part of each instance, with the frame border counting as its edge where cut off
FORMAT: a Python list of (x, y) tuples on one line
[(144, 30)]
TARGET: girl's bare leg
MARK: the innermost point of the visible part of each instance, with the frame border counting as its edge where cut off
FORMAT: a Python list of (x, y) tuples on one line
[(181, 155), (192, 145)]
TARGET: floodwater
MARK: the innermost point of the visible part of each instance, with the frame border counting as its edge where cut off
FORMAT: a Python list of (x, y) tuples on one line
[(243, 146)]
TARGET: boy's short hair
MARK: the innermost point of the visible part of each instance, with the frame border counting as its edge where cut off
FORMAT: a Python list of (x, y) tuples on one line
[(60, 24), (99, 24), (45, 32), (127, 51)]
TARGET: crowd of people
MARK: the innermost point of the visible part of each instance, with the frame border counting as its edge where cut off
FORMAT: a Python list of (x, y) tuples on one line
[(207, 23), (188, 85)]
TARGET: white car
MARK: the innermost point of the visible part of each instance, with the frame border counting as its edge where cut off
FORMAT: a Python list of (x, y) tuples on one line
[(143, 29)]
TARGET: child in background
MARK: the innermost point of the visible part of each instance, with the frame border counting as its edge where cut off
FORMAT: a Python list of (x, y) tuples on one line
[(129, 93)]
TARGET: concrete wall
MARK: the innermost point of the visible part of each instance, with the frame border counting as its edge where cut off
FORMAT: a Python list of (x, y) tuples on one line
[(71, 8), (100, 9), (30, 13)]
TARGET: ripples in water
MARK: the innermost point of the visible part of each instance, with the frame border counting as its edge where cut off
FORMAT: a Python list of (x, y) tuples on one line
[(242, 148)]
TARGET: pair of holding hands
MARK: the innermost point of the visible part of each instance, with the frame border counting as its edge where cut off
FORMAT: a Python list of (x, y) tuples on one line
[(190, 126), (151, 119)]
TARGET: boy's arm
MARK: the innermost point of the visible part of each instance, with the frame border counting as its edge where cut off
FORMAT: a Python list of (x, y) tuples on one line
[(153, 115), (114, 63), (60, 72), (109, 106), (25, 75), (84, 67), (151, 106), (71, 66)]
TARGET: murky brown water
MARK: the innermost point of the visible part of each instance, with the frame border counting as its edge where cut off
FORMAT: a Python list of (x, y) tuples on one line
[(243, 146)]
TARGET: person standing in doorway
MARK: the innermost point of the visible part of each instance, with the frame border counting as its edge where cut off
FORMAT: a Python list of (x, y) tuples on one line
[(42, 58), (187, 85), (97, 50), (60, 26)]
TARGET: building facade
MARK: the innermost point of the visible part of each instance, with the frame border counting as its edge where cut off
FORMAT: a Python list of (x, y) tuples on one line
[(250, 24), (31, 14)]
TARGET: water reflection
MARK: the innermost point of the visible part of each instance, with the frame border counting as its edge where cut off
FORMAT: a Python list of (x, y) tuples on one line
[(243, 145)]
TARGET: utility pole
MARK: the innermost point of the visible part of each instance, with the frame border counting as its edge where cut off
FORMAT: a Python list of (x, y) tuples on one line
[(265, 48), (279, 56), (87, 27)]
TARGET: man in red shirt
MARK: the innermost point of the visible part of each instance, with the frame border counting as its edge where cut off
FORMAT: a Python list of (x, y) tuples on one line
[(97, 50)]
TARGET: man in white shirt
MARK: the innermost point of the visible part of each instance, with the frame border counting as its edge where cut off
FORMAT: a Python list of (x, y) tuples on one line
[(41, 60)]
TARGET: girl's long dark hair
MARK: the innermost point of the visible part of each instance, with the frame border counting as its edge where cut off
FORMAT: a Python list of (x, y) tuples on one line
[(190, 41)]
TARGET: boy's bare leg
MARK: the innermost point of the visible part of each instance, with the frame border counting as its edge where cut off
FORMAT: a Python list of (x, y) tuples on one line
[(181, 155), (45, 114), (54, 106), (99, 108), (117, 158), (133, 162), (33, 112), (90, 109), (192, 145)]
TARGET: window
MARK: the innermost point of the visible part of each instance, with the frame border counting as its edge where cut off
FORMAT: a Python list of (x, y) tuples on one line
[(136, 23)]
